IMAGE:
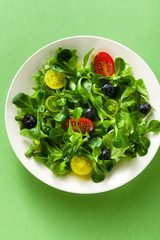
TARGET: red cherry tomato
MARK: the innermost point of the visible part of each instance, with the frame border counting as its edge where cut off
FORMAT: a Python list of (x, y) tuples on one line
[(84, 124), (104, 64)]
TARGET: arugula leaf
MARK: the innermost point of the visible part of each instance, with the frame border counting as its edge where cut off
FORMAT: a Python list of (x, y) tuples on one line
[(118, 153), (25, 102)]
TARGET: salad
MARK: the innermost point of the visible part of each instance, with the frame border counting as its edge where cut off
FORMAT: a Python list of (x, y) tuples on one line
[(85, 117)]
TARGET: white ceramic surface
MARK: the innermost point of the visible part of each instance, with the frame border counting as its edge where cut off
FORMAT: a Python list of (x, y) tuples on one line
[(123, 172)]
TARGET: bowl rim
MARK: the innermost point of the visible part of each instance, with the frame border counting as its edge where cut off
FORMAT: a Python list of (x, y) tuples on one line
[(7, 130)]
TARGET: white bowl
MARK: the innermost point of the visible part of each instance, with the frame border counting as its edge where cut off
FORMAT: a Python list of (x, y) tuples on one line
[(124, 171)]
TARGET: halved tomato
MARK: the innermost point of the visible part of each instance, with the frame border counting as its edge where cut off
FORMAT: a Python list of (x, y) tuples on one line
[(84, 124), (81, 165), (104, 64), (111, 107), (54, 80)]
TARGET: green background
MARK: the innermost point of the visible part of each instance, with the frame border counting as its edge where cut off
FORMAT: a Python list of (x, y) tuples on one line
[(29, 209)]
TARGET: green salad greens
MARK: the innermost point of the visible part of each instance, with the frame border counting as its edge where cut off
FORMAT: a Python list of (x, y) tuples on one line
[(76, 112)]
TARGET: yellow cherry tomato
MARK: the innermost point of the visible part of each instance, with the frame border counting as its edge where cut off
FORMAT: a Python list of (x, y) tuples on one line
[(54, 80), (111, 107), (81, 165), (51, 104)]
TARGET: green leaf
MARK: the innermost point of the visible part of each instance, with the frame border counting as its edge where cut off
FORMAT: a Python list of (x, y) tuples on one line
[(127, 92), (99, 81), (119, 65), (64, 55), (86, 57), (25, 102), (129, 103), (97, 174), (94, 142), (107, 124), (30, 150), (118, 153), (141, 88), (96, 152), (72, 95), (77, 113), (118, 140), (57, 68), (97, 103), (107, 139), (65, 61), (88, 86), (39, 96), (61, 102), (68, 152), (60, 167), (39, 77), (127, 70), (62, 115), (142, 147), (82, 91), (126, 80), (56, 136), (19, 118), (154, 126), (39, 156), (106, 165)]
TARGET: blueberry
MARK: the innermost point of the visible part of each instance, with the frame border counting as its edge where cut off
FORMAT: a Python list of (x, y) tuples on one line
[(29, 121), (105, 155), (90, 113), (144, 107), (108, 89)]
